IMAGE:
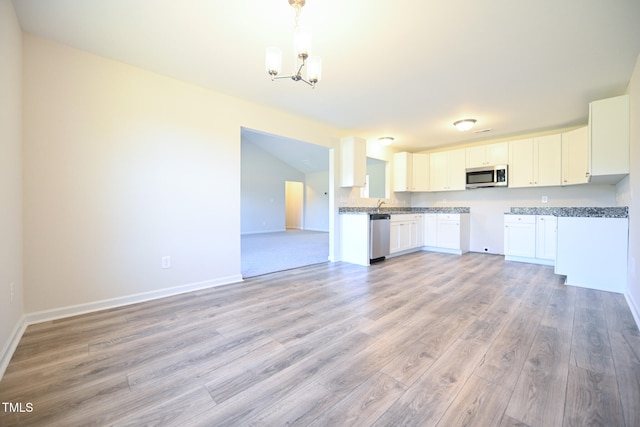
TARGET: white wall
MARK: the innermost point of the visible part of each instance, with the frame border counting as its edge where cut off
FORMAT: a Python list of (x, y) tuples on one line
[(632, 192), (10, 180), (263, 190), (489, 204), (123, 166)]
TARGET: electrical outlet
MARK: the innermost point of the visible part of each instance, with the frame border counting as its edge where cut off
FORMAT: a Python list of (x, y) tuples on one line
[(166, 262), (545, 199), (12, 292)]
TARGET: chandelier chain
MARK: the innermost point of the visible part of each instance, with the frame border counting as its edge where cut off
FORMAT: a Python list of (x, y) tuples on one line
[(298, 9)]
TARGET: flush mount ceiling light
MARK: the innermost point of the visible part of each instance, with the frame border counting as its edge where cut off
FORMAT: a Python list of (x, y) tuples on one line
[(302, 47), (464, 124), (385, 140)]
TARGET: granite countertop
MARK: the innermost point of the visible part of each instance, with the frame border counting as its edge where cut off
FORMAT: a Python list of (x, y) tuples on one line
[(400, 210), (586, 212)]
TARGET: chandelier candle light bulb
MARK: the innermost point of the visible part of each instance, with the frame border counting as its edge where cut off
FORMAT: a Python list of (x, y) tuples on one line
[(274, 61), (302, 43)]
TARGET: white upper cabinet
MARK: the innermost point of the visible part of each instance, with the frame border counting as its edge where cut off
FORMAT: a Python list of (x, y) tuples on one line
[(447, 170), (609, 135), (410, 172), (548, 153), (353, 155), (575, 157), (487, 155), (535, 162)]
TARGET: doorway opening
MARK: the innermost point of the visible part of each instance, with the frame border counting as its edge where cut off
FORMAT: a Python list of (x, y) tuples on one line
[(285, 203), (294, 205)]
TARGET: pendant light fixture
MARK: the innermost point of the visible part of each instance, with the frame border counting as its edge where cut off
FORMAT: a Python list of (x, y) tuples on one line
[(302, 50)]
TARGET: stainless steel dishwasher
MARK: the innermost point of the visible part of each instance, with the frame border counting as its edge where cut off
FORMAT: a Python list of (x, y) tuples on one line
[(379, 236)]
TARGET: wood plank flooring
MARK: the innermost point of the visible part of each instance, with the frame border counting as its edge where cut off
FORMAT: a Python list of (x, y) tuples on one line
[(425, 339)]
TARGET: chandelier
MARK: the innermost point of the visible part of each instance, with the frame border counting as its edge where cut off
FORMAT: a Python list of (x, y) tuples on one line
[(302, 50)]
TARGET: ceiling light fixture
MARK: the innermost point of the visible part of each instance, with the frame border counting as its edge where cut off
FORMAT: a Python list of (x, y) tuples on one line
[(385, 140), (464, 124), (302, 46)]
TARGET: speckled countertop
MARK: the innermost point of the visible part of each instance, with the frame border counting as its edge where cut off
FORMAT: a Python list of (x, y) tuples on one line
[(400, 210), (588, 212)]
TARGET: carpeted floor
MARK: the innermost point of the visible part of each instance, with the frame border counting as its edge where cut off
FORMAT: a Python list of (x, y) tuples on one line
[(268, 252)]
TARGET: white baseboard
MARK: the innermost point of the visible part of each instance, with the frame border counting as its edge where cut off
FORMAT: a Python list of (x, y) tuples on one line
[(12, 344), (528, 260), (74, 310), (633, 305), (443, 250), (277, 230)]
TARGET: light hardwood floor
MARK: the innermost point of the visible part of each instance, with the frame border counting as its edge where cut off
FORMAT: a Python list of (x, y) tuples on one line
[(425, 339)]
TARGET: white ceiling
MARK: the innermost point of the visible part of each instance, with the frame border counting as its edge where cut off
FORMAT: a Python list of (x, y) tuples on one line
[(406, 69)]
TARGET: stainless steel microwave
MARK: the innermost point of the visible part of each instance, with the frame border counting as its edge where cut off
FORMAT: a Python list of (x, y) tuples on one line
[(487, 176)]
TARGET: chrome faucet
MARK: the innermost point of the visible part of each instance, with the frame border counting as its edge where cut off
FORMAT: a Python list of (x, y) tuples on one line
[(380, 203)]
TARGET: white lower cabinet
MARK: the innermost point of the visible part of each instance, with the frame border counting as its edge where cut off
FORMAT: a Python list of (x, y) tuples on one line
[(592, 252), (447, 233), (530, 238), (354, 238), (546, 237), (406, 232)]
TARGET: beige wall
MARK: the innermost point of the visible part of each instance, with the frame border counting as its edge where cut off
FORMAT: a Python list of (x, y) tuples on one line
[(10, 178), (633, 194), (122, 167)]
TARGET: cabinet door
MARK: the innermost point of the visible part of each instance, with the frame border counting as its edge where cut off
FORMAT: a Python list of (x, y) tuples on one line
[(449, 234), (431, 230), (438, 171), (456, 170), (520, 236), (498, 154), (395, 240), (417, 233), (405, 235), (609, 135), (476, 157), (402, 171), (547, 160), (575, 157), (353, 153), (420, 172), (521, 163), (546, 226)]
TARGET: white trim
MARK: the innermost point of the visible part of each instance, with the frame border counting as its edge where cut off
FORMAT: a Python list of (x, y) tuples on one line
[(541, 261), (12, 344), (276, 230), (634, 307), (74, 310), (443, 250)]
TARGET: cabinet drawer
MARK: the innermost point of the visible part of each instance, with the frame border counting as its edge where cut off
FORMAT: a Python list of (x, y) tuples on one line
[(519, 219), (405, 217), (448, 217)]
